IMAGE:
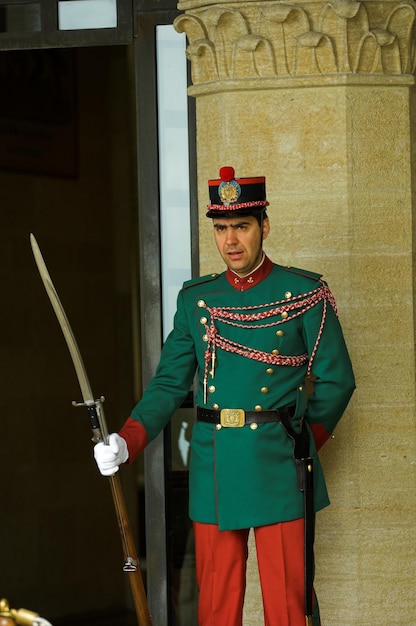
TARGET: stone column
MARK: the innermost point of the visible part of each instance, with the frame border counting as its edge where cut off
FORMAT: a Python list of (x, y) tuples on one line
[(319, 98)]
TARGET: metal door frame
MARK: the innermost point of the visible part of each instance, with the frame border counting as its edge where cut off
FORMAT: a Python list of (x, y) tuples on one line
[(158, 452)]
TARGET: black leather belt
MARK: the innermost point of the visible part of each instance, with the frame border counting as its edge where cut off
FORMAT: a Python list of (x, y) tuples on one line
[(236, 418)]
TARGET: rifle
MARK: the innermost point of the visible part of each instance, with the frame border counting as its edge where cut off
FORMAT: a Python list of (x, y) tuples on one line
[(100, 433)]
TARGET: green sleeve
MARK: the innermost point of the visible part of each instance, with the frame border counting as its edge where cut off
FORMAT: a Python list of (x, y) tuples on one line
[(173, 378), (332, 374)]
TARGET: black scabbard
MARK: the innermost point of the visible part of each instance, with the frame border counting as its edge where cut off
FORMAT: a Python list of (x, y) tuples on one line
[(304, 471)]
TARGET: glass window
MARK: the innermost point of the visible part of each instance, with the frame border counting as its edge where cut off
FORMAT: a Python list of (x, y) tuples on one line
[(87, 14), (173, 167)]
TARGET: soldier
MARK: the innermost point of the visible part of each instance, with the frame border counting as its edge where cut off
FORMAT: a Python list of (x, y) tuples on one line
[(272, 366)]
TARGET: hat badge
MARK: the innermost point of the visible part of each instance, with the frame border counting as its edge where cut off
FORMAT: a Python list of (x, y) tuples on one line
[(229, 190)]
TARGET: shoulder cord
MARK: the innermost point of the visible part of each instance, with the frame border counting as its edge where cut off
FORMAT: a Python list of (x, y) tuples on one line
[(229, 315), (301, 303)]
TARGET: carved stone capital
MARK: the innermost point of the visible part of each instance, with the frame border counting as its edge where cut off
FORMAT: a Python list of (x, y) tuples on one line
[(239, 43)]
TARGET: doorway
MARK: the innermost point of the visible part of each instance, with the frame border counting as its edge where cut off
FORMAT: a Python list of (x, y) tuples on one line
[(59, 520)]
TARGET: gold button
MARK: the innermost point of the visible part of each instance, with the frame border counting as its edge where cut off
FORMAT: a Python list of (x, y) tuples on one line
[(203, 320), (201, 303), (211, 388), (205, 338), (258, 407), (280, 333), (275, 352), (269, 370), (218, 426), (215, 407), (288, 295), (285, 314), (300, 388), (254, 426), (264, 390)]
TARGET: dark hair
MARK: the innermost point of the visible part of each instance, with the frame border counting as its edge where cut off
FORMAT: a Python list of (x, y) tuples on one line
[(260, 216)]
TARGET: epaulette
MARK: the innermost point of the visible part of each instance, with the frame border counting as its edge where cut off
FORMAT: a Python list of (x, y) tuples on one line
[(199, 280), (305, 273)]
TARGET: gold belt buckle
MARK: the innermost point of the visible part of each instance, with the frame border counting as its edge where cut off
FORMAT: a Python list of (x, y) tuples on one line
[(232, 418)]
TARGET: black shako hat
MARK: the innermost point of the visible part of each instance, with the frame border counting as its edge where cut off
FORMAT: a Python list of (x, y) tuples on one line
[(236, 196)]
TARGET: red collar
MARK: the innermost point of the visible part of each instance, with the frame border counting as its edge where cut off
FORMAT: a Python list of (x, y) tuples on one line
[(242, 283)]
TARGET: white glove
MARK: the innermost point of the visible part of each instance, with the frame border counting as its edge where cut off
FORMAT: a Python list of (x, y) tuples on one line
[(40, 621), (110, 456)]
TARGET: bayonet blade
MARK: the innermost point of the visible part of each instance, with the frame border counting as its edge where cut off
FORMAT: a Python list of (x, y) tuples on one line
[(63, 322), (94, 406)]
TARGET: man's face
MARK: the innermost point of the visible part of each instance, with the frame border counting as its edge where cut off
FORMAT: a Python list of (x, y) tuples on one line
[(239, 241)]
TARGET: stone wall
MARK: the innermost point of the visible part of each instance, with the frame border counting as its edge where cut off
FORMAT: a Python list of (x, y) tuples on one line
[(319, 98)]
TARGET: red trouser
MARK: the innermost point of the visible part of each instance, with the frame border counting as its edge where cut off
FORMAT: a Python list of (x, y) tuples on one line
[(221, 558)]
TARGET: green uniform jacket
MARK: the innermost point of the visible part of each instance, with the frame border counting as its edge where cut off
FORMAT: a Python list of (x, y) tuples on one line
[(240, 477)]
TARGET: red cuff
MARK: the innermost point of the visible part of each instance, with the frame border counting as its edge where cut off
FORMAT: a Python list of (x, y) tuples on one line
[(319, 434), (136, 438)]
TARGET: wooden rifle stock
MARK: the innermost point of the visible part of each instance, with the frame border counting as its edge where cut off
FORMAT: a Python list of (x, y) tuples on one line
[(132, 566)]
